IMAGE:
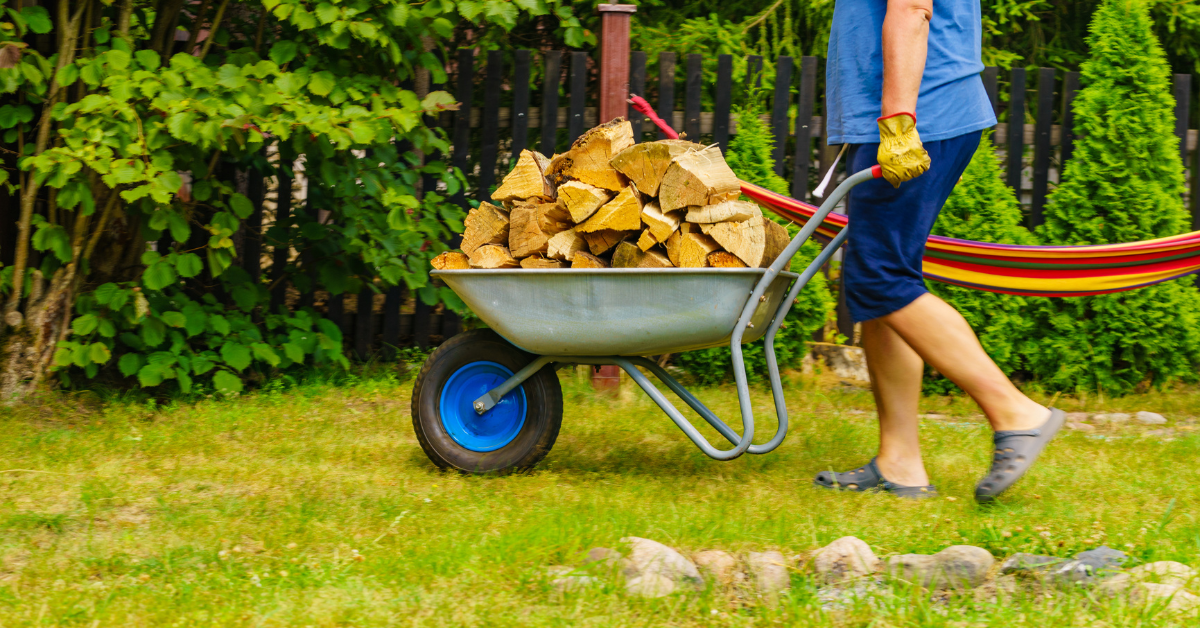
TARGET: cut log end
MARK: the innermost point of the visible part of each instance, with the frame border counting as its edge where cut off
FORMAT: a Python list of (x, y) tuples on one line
[(627, 255), (541, 262), (527, 180), (583, 259), (492, 256), (564, 245), (727, 211), (698, 178), (486, 224), (600, 242), (724, 259), (591, 153), (646, 241), (646, 163), (582, 199), (451, 260), (694, 249), (623, 213)]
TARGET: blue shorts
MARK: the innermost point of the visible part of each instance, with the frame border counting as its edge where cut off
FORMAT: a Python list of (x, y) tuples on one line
[(889, 226)]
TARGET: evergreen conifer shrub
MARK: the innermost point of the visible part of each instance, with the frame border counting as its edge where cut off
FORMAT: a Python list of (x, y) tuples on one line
[(1123, 184), (983, 208), (750, 158)]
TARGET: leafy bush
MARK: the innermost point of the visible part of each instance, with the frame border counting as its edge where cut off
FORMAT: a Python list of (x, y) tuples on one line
[(983, 208), (1123, 184), (750, 157)]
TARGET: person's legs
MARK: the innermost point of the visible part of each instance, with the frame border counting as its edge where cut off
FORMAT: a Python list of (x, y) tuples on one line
[(896, 383), (942, 337)]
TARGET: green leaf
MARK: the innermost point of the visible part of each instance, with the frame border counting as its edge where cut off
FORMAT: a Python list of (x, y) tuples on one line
[(106, 293), (293, 352), (264, 352), (85, 324), (227, 383), (67, 75), (235, 355), (185, 381), (283, 51), (148, 59), (219, 324), (99, 353), (322, 83), (327, 13), (189, 265), (107, 328), (330, 329), (150, 375), (241, 206), (180, 231), (153, 332), (174, 319), (130, 363), (158, 275), (362, 131), (38, 19), (398, 14), (202, 365), (118, 59)]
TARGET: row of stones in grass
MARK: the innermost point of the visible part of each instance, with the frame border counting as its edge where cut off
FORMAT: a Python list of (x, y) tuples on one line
[(849, 568)]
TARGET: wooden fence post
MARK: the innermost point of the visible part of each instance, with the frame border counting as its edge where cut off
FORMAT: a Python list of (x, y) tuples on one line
[(520, 107), (1041, 144), (666, 89), (490, 142), (804, 114), (579, 75), (693, 85), (637, 85), (1067, 135), (722, 101), (1016, 131), (552, 80), (614, 59), (779, 109), (1182, 86)]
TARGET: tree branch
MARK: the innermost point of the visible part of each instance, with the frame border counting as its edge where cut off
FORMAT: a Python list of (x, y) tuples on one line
[(212, 32)]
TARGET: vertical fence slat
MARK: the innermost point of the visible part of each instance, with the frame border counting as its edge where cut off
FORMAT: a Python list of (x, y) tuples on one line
[(451, 324), (579, 75), (991, 84), (804, 113), (779, 109), (1182, 86), (422, 324), (462, 118), (1016, 130), (754, 66), (550, 85), (489, 148), (252, 241), (637, 85), (1067, 134), (335, 311), (1041, 143), (722, 101), (392, 303), (363, 332), (306, 257), (520, 107), (666, 89), (691, 96), (279, 254), (1196, 189)]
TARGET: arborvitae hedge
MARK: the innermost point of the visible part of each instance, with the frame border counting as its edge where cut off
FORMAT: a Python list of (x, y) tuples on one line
[(983, 208), (749, 156), (1123, 184)]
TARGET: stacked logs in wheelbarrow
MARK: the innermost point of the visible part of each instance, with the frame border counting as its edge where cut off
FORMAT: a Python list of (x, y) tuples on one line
[(611, 203)]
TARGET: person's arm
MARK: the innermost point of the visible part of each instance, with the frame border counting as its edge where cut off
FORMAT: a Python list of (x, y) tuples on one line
[(905, 45)]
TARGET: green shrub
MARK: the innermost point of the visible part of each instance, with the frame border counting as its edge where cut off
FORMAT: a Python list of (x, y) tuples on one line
[(1124, 184), (983, 208), (750, 157)]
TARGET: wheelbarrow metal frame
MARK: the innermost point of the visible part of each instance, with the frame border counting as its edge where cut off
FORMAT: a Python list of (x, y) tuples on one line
[(743, 443)]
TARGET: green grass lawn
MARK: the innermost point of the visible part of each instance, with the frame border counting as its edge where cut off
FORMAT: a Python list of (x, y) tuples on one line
[(315, 506)]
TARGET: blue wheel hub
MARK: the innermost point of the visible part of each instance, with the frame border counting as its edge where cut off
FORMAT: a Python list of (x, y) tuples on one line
[(492, 429)]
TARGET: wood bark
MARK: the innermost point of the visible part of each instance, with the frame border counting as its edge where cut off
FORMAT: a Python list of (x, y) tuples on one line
[(724, 259), (698, 178)]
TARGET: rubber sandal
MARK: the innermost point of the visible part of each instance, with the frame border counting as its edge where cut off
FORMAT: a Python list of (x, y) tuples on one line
[(1015, 453), (867, 478)]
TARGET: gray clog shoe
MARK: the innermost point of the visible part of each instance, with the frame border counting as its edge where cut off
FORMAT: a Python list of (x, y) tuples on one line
[(1015, 453)]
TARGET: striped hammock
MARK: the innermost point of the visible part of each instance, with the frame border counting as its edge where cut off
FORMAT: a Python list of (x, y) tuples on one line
[(1043, 271)]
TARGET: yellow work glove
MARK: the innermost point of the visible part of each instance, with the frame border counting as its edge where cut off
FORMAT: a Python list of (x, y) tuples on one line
[(901, 155)]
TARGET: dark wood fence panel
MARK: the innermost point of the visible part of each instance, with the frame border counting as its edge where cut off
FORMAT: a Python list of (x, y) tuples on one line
[(1067, 139), (637, 85), (666, 89), (549, 111), (520, 108), (489, 149), (464, 91), (693, 83), (804, 113), (579, 76), (1016, 129), (1182, 86), (991, 84), (1042, 150), (779, 110), (722, 101)]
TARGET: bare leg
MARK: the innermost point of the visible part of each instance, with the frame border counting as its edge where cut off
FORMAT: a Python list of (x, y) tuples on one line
[(942, 337), (896, 383)]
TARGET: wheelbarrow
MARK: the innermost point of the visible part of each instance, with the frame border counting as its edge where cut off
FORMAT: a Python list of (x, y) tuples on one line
[(489, 401)]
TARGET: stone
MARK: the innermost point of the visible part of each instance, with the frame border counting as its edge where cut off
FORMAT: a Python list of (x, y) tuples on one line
[(1177, 600), (567, 581), (845, 558), (1087, 567), (1166, 572), (1077, 417), (1150, 418), (1115, 418), (603, 555), (651, 558), (1083, 427), (1028, 563), (1003, 587), (769, 571), (956, 567), (716, 564), (845, 361), (650, 585), (1103, 557)]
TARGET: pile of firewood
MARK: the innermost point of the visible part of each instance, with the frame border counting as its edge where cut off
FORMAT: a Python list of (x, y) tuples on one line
[(608, 202)]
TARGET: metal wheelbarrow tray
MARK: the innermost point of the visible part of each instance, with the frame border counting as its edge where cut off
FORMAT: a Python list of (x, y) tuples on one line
[(485, 403)]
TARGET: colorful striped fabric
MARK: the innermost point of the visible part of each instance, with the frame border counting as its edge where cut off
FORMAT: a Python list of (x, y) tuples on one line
[(1045, 271)]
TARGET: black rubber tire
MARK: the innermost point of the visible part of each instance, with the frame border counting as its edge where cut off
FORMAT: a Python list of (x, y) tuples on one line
[(543, 398)]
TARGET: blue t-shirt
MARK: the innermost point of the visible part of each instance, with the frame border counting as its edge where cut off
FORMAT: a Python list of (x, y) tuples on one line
[(952, 100)]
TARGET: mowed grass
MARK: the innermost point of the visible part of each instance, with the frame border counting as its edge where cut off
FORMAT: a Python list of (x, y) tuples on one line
[(315, 506)]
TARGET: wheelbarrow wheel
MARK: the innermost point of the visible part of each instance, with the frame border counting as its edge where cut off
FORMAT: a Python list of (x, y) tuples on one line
[(513, 436)]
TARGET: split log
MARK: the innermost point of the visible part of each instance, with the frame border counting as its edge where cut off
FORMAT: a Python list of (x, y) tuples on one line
[(530, 230), (627, 255), (694, 249), (728, 211), (451, 260), (541, 262), (698, 178), (749, 240), (591, 153), (721, 259), (672, 246), (582, 199), (646, 163), (655, 259), (646, 241), (564, 245), (583, 259), (486, 224), (553, 218), (601, 241), (492, 256), (527, 180), (661, 225), (623, 213)]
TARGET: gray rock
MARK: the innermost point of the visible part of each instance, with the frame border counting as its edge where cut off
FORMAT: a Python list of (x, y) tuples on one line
[(716, 564), (1166, 572), (651, 558), (650, 585), (1028, 563), (845, 361), (1082, 427), (956, 567), (1087, 567), (1114, 418), (1077, 417), (1150, 418), (845, 558), (1103, 557), (769, 570), (1177, 600), (840, 596)]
